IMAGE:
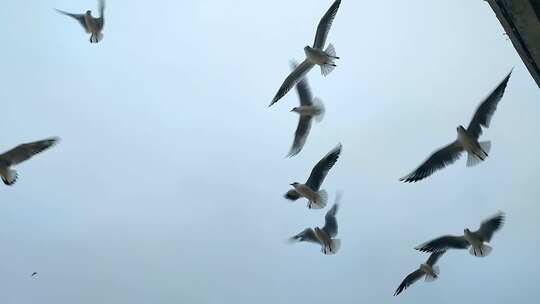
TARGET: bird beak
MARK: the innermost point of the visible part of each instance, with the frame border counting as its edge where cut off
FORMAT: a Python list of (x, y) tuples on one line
[(292, 110), (291, 184)]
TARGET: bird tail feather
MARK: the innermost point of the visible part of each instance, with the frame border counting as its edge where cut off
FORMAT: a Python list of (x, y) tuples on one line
[(486, 146), (10, 178), (482, 251), (321, 200), (328, 67), (319, 104)]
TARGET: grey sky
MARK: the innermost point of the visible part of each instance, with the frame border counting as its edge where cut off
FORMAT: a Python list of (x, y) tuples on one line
[(167, 185)]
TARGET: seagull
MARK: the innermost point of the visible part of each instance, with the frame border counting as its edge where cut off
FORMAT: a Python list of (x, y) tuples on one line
[(324, 236), (429, 270), (467, 140), (316, 198), (19, 154), (34, 274), (309, 108), (91, 25), (475, 239), (314, 55)]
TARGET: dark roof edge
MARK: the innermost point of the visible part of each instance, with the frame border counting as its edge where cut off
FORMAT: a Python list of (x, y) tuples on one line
[(515, 37)]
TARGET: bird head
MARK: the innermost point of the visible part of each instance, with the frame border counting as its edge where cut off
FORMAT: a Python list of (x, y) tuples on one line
[(466, 231), (460, 129), (294, 184), (89, 13)]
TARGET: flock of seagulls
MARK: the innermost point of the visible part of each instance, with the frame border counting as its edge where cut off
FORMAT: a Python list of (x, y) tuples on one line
[(310, 109)]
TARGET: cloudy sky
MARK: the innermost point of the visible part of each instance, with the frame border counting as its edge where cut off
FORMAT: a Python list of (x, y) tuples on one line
[(167, 185)]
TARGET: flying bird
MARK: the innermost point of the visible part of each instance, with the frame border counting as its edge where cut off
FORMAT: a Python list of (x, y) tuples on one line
[(317, 199), (474, 239), (315, 55), (91, 25), (19, 154), (324, 236), (429, 270), (34, 274), (467, 139), (309, 108)]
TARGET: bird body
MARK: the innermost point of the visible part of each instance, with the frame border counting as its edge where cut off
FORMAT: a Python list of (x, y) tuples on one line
[(324, 236), (467, 139), (92, 25), (310, 111), (475, 241), (428, 270), (315, 55), (316, 199)]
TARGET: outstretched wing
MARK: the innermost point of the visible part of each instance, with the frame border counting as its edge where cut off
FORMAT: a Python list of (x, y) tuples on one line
[(319, 172), (434, 257), (409, 280), (325, 24), (78, 17), (295, 76), (489, 226), (484, 112), (26, 151), (307, 235), (443, 157), (443, 243), (330, 221), (300, 135)]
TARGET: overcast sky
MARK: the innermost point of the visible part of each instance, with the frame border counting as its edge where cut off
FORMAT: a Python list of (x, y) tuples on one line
[(167, 185)]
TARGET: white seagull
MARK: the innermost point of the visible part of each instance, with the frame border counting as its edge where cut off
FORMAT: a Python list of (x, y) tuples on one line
[(309, 108), (428, 269), (19, 154), (474, 239), (324, 236), (314, 55), (91, 25), (317, 199), (467, 140)]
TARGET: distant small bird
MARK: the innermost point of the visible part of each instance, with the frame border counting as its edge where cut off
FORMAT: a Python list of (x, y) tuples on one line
[(317, 199), (34, 274), (429, 270), (19, 154), (467, 140), (324, 236), (475, 239), (91, 25), (309, 108), (314, 55)]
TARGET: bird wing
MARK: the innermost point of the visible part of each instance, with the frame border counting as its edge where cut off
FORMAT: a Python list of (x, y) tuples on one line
[(489, 226), (485, 110), (307, 235), (325, 24), (101, 7), (303, 90), (443, 157), (409, 280), (443, 243), (434, 257), (78, 17), (330, 222), (321, 169), (300, 135), (26, 151), (295, 76), (101, 20)]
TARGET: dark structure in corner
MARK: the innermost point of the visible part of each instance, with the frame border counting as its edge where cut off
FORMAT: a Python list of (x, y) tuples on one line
[(521, 22)]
